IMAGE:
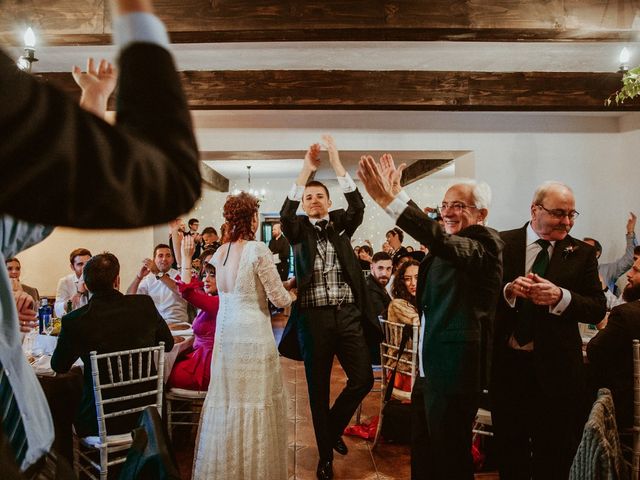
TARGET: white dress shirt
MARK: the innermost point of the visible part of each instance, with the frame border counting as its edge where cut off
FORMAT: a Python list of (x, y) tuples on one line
[(532, 251), (171, 306), (67, 288)]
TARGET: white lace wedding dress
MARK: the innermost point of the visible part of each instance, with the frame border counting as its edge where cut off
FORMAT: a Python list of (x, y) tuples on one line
[(243, 429)]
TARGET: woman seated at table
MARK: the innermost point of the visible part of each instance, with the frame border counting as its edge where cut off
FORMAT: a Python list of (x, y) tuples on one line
[(402, 309), (191, 371)]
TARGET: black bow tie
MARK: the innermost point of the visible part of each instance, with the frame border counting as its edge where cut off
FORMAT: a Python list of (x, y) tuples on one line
[(321, 228)]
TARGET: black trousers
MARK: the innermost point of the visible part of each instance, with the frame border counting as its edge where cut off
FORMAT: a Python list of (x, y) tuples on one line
[(441, 426), (536, 433), (283, 270), (324, 333)]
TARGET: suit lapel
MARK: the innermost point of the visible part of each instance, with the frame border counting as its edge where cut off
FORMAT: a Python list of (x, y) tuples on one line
[(515, 255), (557, 258)]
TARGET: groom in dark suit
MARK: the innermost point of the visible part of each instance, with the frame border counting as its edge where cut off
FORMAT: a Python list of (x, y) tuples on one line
[(458, 286), (550, 284), (332, 315)]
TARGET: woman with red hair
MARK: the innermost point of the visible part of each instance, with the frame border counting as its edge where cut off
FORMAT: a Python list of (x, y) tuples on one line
[(243, 431)]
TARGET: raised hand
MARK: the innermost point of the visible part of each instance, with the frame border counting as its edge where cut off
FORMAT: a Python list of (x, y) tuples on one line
[(391, 173), (97, 85), (312, 157), (377, 186), (334, 157), (187, 248), (631, 223)]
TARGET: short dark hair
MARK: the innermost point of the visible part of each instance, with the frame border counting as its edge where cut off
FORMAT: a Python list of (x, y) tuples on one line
[(636, 250), (316, 183), (78, 252), (159, 246), (192, 221), (367, 249), (399, 289), (208, 230), (380, 256), (596, 243), (7, 261), (205, 253), (101, 271), (395, 231)]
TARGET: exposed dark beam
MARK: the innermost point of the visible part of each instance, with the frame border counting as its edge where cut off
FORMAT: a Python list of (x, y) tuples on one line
[(213, 179), (347, 156), (87, 22), (393, 90), (422, 168)]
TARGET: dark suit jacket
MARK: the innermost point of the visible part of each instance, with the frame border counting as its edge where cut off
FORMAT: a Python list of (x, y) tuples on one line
[(611, 358), (558, 345), (458, 285), (108, 323), (378, 296), (303, 238), (69, 167)]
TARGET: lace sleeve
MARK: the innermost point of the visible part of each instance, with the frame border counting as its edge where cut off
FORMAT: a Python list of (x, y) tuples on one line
[(268, 275)]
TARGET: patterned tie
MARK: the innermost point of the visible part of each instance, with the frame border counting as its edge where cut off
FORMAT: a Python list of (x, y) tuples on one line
[(523, 332), (11, 419)]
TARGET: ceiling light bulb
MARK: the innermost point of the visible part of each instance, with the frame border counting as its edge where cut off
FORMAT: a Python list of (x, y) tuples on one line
[(29, 38)]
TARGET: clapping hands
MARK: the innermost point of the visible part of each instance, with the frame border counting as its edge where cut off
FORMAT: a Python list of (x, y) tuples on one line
[(97, 85)]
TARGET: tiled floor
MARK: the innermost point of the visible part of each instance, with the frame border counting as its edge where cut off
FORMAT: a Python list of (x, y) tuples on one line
[(386, 463)]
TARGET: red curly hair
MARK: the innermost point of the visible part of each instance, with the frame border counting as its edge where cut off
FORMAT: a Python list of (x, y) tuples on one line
[(238, 212)]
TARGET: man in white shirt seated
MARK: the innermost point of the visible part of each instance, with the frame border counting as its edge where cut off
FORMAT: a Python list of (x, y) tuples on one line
[(71, 287), (148, 281)]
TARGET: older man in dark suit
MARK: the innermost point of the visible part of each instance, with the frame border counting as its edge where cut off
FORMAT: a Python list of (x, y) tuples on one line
[(458, 286), (550, 284), (110, 322), (332, 315)]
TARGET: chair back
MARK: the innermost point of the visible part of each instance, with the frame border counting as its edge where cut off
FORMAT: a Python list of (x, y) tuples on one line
[(127, 377), (389, 351)]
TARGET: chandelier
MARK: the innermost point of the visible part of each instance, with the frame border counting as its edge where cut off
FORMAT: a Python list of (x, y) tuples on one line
[(259, 194)]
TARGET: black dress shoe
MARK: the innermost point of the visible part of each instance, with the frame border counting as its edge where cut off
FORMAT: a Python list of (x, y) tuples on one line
[(325, 470), (341, 447)]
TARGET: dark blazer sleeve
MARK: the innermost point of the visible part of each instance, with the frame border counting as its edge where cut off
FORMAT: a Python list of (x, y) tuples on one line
[(350, 219), (69, 167), (467, 252), (612, 339), (66, 351), (163, 334), (291, 223), (588, 303)]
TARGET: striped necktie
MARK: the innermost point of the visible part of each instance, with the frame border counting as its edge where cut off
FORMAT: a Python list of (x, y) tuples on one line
[(11, 420)]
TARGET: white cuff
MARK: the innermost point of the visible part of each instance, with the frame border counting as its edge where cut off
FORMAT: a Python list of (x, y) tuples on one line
[(346, 183), (512, 302), (295, 194), (396, 207), (562, 304), (139, 27)]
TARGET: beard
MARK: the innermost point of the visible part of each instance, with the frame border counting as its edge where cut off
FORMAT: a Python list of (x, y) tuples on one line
[(382, 280), (631, 293)]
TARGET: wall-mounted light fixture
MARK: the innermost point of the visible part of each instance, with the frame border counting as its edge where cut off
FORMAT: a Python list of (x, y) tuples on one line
[(25, 61)]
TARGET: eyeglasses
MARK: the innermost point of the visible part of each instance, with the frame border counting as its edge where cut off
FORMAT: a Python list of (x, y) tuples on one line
[(558, 213), (456, 207)]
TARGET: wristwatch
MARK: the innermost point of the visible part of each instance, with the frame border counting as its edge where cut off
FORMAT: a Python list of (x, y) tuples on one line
[(159, 275)]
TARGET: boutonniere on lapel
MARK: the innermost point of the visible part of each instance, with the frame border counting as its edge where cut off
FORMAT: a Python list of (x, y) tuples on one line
[(569, 251)]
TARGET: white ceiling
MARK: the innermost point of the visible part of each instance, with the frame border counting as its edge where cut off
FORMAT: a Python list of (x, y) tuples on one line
[(439, 56)]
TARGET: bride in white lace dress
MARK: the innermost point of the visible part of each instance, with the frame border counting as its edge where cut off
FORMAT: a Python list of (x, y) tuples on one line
[(243, 429)]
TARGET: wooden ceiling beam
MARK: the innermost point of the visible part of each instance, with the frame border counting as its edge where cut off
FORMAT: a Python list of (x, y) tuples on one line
[(87, 22), (213, 179), (392, 90), (422, 168)]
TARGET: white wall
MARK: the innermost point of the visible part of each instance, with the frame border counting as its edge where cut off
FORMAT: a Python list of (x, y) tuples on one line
[(596, 155)]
